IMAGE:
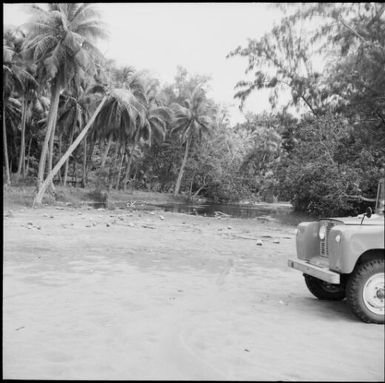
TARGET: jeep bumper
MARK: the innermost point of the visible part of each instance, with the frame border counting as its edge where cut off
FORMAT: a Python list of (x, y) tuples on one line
[(315, 271)]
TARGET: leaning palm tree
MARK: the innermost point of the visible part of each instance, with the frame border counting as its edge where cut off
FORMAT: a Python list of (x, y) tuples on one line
[(118, 107), (122, 113), (191, 122), (124, 128), (118, 78), (60, 42), (73, 113)]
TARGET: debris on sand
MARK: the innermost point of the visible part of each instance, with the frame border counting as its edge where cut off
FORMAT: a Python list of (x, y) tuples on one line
[(148, 226), (219, 214)]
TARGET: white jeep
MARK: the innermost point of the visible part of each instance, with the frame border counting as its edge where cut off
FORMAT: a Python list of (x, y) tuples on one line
[(344, 257)]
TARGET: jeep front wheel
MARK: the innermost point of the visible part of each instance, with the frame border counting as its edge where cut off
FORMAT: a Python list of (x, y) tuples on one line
[(323, 290), (365, 291)]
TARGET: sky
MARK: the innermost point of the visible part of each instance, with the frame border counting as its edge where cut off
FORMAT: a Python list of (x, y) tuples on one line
[(158, 37)]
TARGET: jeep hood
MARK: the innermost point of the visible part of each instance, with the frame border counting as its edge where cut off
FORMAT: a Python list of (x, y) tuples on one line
[(375, 219)]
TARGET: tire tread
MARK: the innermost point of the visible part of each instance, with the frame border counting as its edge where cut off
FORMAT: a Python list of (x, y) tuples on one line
[(353, 287)]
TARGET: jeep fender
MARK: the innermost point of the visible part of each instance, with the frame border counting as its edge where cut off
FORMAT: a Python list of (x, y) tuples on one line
[(355, 241)]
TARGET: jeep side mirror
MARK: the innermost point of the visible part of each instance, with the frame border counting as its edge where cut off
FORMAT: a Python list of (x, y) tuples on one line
[(368, 213)]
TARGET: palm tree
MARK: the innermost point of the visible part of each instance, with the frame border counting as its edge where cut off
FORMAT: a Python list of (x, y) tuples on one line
[(30, 93), (118, 107), (122, 112), (122, 127), (191, 122), (73, 113), (27, 85), (14, 77), (153, 128), (60, 42), (37, 118)]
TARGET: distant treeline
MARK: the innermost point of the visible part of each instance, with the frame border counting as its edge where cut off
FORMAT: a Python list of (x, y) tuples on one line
[(71, 115)]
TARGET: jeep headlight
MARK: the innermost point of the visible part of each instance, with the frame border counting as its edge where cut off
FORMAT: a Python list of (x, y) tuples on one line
[(338, 238), (322, 232)]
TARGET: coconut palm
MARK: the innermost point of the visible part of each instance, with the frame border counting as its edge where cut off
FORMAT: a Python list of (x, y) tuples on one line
[(123, 111), (60, 42), (73, 113), (191, 122), (37, 121), (154, 127), (122, 127), (118, 107), (14, 78), (26, 84)]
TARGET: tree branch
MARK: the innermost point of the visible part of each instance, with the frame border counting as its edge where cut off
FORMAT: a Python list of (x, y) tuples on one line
[(360, 197)]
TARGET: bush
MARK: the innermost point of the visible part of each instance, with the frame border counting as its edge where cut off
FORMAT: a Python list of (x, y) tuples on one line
[(322, 189)]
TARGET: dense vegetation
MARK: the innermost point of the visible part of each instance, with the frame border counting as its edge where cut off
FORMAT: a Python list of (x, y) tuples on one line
[(71, 116)]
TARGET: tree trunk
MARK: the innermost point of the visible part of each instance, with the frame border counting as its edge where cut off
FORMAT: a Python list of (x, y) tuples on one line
[(68, 160), (113, 167), (25, 174), (60, 150), (197, 192), (106, 152), (90, 152), (39, 197), (128, 167), (55, 94), (6, 160), (21, 165), (50, 155), (51, 149), (84, 181), (120, 167), (74, 174), (181, 171)]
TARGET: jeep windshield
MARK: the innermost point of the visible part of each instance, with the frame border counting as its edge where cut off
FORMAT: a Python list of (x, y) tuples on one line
[(380, 197)]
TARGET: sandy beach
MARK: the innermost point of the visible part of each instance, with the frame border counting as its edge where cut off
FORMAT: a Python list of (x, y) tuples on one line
[(119, 294)]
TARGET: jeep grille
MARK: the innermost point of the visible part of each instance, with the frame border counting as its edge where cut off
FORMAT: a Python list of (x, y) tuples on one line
[(324, 251)]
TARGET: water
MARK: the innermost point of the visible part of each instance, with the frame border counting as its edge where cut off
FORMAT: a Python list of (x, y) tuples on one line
[(283, 213)]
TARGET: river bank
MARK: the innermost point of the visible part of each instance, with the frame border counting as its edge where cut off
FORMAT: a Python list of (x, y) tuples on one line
[(142, 294)]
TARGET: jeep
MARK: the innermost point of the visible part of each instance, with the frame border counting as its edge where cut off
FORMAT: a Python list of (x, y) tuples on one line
[(344, 257)]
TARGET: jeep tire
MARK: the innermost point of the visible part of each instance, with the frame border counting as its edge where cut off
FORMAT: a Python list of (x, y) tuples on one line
[(323, 290), (365, 291)]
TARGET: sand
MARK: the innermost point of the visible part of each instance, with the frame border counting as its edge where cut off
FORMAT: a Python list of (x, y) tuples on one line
[(101, 294)]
